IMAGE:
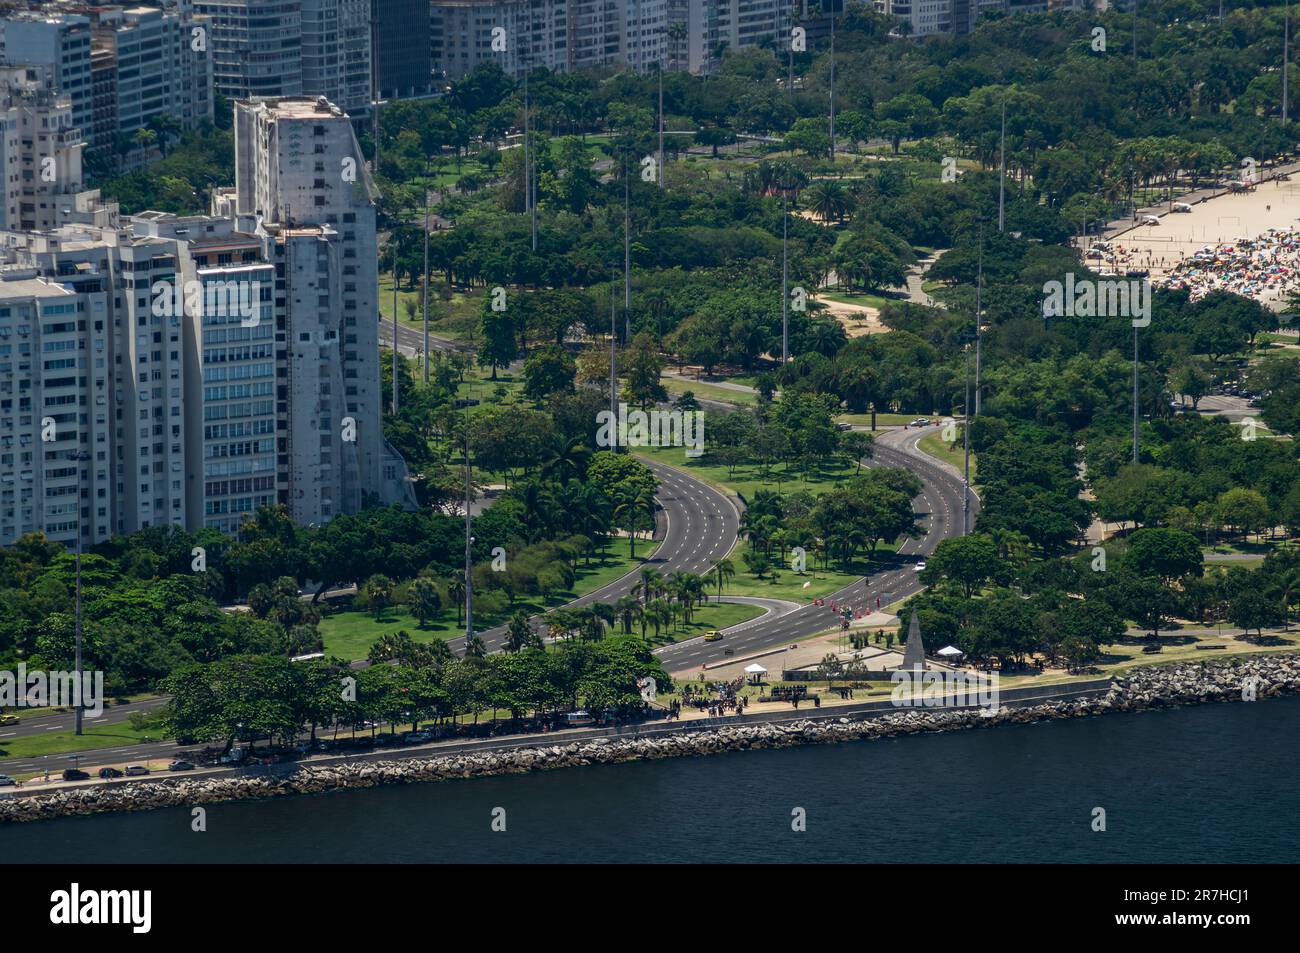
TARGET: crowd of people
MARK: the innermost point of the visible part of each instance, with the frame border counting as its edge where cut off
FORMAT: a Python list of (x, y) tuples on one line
[(1263, 268)]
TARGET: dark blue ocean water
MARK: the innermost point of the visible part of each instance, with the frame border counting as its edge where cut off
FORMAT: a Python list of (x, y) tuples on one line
[(1209, 783)]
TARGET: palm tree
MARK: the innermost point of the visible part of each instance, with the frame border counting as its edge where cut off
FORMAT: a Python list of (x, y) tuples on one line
[(628, 515), (677, 31), (723, 570), (519, 633), (164, 127), (456, 591), (379, 593), (144, 138), (828, 201), (475, 647), (660, 614), (590, 511), (627, 609), (440, 652), (565, 459)]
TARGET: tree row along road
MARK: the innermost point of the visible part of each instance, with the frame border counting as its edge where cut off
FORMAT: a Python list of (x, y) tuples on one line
[(940, 508), (698, 526)]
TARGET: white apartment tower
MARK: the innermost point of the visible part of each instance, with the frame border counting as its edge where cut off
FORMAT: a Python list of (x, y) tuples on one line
[(256, 46), (54, 450), (299, 170), (40, 151), (266, 48), (58, 45)]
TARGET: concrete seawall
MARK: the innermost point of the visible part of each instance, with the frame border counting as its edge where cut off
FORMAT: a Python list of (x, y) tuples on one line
[(1260, 677)]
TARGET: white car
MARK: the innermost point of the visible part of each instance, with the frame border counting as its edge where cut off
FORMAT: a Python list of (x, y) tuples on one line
[(918, 567), (920, 422)]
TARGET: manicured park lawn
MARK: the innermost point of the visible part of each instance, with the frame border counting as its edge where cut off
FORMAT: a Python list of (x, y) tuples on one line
[(676, 386), (954, 455), (57, 742), (882, 419), (784, 583), (746, 478), (349, 633), (852, 297), (714, 615)]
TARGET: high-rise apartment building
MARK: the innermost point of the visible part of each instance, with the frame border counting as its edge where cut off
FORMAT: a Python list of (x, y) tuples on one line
[(401, 48), (122, 67), (272, 48), (58, 45), (40, 151), (201, 365), (148, 64), (585, 34), (54, 454), (299, 170), (336, 60), (256, 46)]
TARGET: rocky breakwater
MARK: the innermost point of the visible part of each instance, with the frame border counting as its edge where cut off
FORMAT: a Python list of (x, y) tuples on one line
[(1147, 688)]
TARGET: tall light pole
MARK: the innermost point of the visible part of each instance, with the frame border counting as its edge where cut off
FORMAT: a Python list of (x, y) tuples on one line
[(627, 259), (965, 480), (1135, 394), (79, 456), (785, 280), (1002, 178), (613, 352), (831, 4), (426, 276), (469, 542), (660, 169), (394, 241), (1286, 59), (979, 320)]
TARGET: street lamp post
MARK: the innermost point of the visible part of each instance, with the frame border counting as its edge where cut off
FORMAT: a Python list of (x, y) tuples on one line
[(785, 278), (426, 274), (79, 456)]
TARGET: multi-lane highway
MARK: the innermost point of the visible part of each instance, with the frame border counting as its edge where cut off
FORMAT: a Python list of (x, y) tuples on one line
[(697, 526), (940, 509)]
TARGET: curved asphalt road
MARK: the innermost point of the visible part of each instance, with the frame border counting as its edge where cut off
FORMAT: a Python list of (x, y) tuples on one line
[(940, 508), (697, 526)]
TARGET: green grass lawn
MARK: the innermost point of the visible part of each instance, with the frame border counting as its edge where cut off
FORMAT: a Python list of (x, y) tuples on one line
[(785, 583), (405, 293), (349, 633), (676, 386), (937, 447), (855, 297), (58, 742), (749, 477), (714, 615), (882, 419)]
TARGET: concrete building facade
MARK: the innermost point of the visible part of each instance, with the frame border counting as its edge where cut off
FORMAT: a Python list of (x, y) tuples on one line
[(40, 151)]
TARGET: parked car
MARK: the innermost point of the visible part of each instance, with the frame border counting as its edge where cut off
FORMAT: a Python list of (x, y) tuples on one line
[(1182, 207), (135, 770), (73, 774), (6, 781), (1150, 220), (578, 719), (180, 766), (417, 737), (109, 773)]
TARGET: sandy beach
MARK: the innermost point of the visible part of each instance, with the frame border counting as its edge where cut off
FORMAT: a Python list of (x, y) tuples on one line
[(1220, 221)]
